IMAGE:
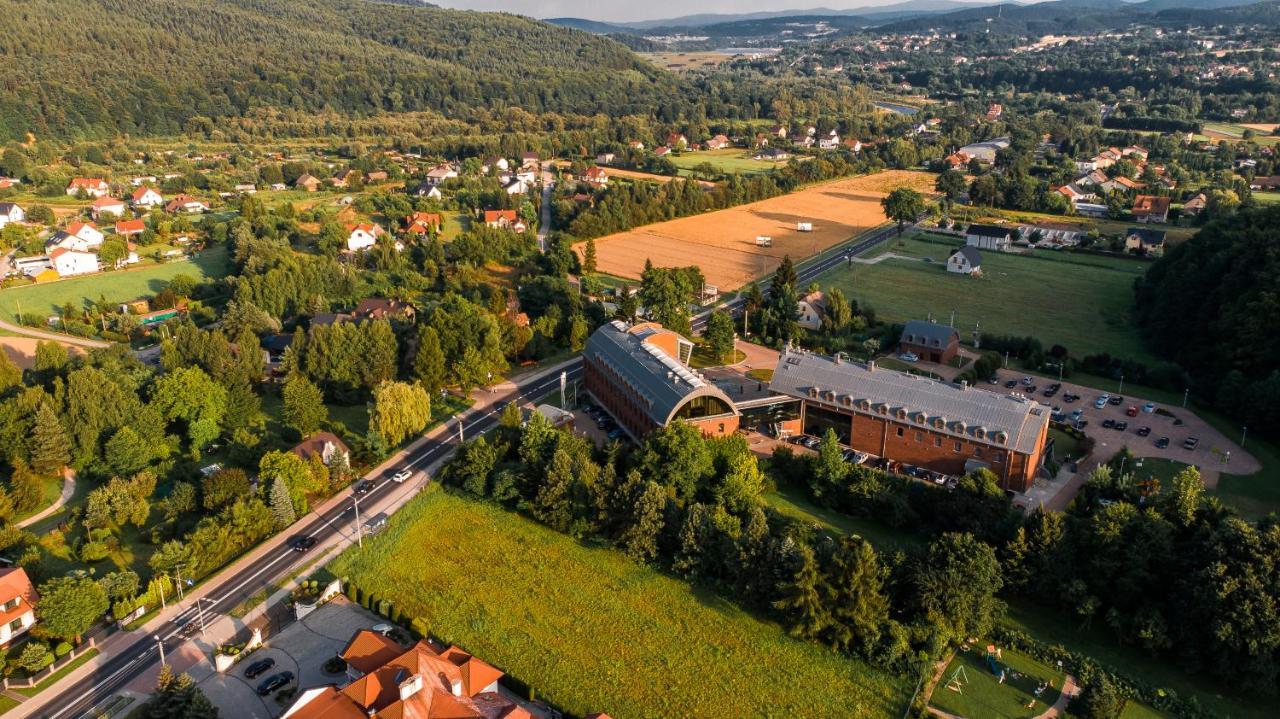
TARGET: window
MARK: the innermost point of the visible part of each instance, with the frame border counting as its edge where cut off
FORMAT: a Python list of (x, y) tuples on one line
[(15, 625), (999, 458), (937, 441), (919, 436), (957, 446), (11, 605), (900, 432), (977, 451)]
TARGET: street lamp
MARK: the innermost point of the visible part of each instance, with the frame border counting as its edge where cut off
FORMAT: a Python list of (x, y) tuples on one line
[(1244, 432), (359, 534), (1185, 394), (200, 611), (1121, 390)]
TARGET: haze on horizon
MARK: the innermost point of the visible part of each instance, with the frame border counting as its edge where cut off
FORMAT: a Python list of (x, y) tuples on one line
[(627, 11)]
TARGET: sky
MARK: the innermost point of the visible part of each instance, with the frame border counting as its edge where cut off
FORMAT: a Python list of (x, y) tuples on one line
[(631, 10)]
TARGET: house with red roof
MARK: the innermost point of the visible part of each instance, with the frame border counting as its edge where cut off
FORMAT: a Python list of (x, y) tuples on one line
[(91, 186), (425, 681), (423, 223), (362, 236), (595, 176), (18, 600), (130, 228), (185, 203), (146, 197), (326, 444), (503, 219), (1151, 208)]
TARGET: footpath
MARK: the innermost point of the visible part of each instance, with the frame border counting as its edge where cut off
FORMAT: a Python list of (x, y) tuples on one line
[(194, 656)]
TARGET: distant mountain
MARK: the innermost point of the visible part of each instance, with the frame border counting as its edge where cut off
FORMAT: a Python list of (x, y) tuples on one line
[(592, 26), (781, 27), (1080, 16), (687, 23), (1158, 5)]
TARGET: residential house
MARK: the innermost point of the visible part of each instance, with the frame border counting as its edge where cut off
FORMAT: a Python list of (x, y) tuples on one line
[(1120, 183), (595, 176), (985, 152), (930, 341), (423, 223), (345, 179), (146, 197), (496, 163), (810, 310), (853, 145), (829, 141), (8, 182), (994, 111), (440, 173), (91, 186), (605, 158), (426, 681), (130, 228), (772, 154), (11, 212), (87, 232), (504, 219), (515, 186), (106, 205), (636, 145), (956, 160), (246, 188), (1195, 205), (802, 140), (662, 151), (529, 159), (1266, 184), (677, 140), (310, 183), (966, 261), (427, 190), (1134, 151), (18, 600), (778, 131), (1151, 208), (377, 176), (68, 263), (1074, 194), (383, 308), (362, 236), (719, 142), (185, 203), (990, 237), (326, 444), (1142, 241)]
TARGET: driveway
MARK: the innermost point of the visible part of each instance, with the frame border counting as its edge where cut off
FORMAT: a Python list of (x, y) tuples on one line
[(1214, 455)]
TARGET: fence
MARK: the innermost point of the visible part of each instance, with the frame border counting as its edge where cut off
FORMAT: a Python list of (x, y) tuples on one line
[(45, 673)]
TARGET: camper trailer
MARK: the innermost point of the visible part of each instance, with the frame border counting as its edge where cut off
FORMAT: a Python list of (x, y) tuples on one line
[(804, 227), (762, 241)]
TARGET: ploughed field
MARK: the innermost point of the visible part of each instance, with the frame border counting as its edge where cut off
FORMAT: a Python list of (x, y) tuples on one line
[(723, 243)]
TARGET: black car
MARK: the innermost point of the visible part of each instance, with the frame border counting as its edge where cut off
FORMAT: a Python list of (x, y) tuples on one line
[(1081, 423), (1118, 399), (1144, 431), (1108, 423), (993, 379), (1050, 392), (1191, 443), (274, 682), (616, 433), (302, 543), (1069, 398), (1031, 389), (1122, 426), (364, 486), (1162, 443), (1011, 384), (1055, 386), (253, 671)]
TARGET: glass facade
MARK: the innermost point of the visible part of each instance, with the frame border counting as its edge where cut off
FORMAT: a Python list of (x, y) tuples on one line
[(704, 406), (817, 420), (766, 419)]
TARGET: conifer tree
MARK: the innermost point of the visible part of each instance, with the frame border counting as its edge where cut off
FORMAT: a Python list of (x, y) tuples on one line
[(50, 449), (281, 504), (801, 598), (428, 361), (640, 540)]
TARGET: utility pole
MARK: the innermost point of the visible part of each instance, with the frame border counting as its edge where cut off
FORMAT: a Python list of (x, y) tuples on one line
[(178, 571), (200, 612), (1185, 394), (460, 438), (1244, 433), (160, 644), (161, 585), (359, 534), (563, 377), (1121, 390)]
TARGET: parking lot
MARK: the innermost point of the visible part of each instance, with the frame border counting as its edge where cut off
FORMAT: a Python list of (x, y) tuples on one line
[(1212, 452)]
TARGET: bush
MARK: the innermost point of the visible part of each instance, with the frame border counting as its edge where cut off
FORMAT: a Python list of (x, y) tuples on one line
[(35, 656), (334, 665), (418, 627), (62, 650)]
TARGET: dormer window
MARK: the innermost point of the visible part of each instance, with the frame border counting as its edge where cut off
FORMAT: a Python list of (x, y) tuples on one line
[(979, 432), (939, 423)]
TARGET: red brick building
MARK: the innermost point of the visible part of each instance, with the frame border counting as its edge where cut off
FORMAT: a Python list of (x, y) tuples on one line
[(953, 429), (641, 375), (931, 341)]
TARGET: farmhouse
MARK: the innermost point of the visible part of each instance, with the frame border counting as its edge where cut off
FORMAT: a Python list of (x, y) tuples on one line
[(106, 205), (1151, 208), (68, 263), (423, 682), (931, 341), (1143, 241), (641, 375), (146, 197), (308, 183), (18, 601), (948, 428), (326, 444), (810, 309), (595, 176), (91, 186), (185, 203), (990, 237), (11, 212), (362, 236), (966, 260), (1195, 205)]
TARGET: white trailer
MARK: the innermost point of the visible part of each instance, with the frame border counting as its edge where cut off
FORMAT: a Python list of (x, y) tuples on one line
[(763, 241), (804, 227)]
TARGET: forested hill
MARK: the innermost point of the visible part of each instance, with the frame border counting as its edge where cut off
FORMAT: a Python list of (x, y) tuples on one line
[(95, 67)]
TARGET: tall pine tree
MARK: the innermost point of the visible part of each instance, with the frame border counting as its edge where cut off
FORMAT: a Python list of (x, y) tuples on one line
[(50, 447), (281, 504)]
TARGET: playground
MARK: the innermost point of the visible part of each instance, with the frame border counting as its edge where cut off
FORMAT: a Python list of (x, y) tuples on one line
[(984, 681)]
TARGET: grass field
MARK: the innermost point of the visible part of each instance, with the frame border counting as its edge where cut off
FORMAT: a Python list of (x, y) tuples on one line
[(1134, 710), (1079, 301), (1267, 198), (117, 286), (984, 696), (792, 502), (1078, 224), (728, 160), (591, 630), (723, 243)]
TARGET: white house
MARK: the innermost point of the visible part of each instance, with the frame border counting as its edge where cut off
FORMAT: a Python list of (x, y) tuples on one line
[(990, 237), (68, 263), (106, 205), (362, 236), (605, 158), (516, 187), (830, 141), (91, 186), (809, 310), (966, 261), (146, 197), (18, 601), (440, 173), (10, 212)]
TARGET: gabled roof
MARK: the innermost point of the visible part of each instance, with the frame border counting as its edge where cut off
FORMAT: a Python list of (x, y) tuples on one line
[(107, 201), (971, 413), (367, 649), (491, 216), (130, 227), (1150, 205), (992, 231), (971, 254), (1147, 237), (929, 334)]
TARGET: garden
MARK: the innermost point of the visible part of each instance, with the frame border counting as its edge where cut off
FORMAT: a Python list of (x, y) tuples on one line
[(991, 682)]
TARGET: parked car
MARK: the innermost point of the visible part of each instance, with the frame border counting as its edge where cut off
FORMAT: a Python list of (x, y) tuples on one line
[(302, 543), (1100, 402), (401, 476), (1031, 389), (1076, 414), (1055, 386), (1011, 384), (1122, 426), (364, 486), (1162, 442), (1050, 392), (1144, 431), (1081, 423), (1027, 381), (274, 682), (993, 379), (256, 669), (1132, 411), (616, 434), (1117, 400), (1191, 443), (909, 357), (1069, 397), (1149, 407)]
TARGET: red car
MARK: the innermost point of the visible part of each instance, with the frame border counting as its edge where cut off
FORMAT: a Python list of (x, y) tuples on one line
[(1132, 411)]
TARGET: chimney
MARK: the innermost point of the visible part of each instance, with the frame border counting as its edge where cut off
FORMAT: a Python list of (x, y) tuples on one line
[(457, 687), (410, 686)]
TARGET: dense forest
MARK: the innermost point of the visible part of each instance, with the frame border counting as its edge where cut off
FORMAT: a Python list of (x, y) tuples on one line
[(1211, 305), (147, 67)]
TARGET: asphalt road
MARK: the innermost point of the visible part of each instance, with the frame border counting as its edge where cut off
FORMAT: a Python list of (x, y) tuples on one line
[(226, 592)]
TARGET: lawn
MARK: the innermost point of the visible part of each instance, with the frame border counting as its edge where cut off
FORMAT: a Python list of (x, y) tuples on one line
[(591, 630), (982, 695), (1064, 445), (1099, 643), (792, 502), (62, 672), (1134, 710), (729, 160), (117, 286), (1267, 198), (52, 490), (1080, 301)]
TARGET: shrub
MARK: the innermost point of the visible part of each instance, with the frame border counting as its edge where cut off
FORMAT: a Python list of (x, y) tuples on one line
[(35, 656), (62, 650)]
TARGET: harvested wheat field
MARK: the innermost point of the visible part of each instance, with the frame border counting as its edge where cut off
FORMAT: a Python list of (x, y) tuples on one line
[(723, 243)]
